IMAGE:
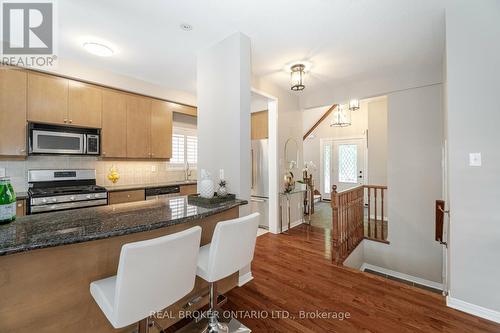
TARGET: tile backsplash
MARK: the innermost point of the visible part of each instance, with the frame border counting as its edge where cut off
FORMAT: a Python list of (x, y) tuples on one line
[(131, 172)]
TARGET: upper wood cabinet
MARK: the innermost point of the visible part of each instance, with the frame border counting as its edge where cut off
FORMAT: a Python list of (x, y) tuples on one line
[(161, 129), (138, 127), (85, 104), (13, 94), (114, 124), (47, 98), (260, 125)]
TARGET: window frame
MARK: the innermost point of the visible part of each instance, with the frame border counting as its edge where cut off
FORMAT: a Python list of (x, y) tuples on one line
[(185, 132)]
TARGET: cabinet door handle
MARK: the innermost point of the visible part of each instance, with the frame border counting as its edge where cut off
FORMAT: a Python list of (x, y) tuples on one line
[(65, 120), (70, 121)]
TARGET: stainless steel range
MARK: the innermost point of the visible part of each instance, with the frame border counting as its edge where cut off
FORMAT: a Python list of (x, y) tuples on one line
[(52, 190)]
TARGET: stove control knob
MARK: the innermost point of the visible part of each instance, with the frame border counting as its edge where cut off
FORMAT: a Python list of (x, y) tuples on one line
[(44, 200), (88, 196), (54, 199), (96, 195), (71, 198)]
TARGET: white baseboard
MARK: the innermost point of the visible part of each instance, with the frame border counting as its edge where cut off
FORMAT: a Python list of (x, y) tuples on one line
[(403, 276), (245, 278), (473, 309), (293, 224)]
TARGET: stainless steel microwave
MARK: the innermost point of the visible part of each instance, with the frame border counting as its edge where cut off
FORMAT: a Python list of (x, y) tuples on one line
[(63, 140)]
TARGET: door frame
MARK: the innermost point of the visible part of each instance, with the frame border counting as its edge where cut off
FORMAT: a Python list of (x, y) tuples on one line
[(322, 142)]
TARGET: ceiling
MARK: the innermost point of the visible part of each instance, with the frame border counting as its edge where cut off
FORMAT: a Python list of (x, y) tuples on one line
[(342, 39)]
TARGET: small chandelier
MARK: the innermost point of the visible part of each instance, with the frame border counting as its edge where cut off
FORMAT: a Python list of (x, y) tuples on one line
[(354, 104), (341, 116), (298, 77)]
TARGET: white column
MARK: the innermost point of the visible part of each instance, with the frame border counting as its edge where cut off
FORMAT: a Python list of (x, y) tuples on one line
[(223, 93)]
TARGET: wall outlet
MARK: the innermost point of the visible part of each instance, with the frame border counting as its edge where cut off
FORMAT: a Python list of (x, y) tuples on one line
[(153, 168), (2, 172), (475, 159)]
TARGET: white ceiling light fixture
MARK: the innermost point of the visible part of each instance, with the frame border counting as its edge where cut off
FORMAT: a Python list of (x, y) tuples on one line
[(354, 104), (341, 116), (98, 49), (297, 76)]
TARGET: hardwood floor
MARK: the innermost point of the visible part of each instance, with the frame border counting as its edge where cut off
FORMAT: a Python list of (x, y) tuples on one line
[(293, 273)]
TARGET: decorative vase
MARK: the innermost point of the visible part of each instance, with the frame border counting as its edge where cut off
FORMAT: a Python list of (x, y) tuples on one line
[(222, 190), (289, 182), (206, 185)]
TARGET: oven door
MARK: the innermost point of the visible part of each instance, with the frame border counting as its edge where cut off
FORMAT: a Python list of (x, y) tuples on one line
[(52, 142)]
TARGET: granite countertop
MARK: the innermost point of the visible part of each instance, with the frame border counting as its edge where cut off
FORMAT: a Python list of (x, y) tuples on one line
[(75, 226), (114, 188)]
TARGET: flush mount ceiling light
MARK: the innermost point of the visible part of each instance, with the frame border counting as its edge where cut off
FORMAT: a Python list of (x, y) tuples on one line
[(186, 26), (297, 76), (354, 104), (341, 116), (98, 49)]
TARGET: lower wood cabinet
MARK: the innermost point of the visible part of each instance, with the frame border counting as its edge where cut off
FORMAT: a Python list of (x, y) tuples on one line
[(21, 207), (126, 196), (188, 189)]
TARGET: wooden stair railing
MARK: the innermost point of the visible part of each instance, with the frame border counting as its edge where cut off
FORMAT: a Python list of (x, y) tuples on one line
[(323, 117), (348, 219), (376, 219), (348, 227)]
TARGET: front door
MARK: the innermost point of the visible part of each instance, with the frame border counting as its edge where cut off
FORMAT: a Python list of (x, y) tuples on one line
[(343, 164)]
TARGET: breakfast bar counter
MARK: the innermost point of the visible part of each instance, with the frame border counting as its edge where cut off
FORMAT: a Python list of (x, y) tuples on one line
[(47, 261)]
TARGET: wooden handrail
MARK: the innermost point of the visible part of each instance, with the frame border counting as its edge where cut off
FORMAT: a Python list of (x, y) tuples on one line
[(348, 218), (323, 117), (347, 222)]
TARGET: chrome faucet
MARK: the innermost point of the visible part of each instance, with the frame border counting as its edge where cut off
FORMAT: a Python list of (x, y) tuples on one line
[(187, 171)]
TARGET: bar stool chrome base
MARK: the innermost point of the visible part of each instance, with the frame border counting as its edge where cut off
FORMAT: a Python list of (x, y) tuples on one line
[(229, 325)]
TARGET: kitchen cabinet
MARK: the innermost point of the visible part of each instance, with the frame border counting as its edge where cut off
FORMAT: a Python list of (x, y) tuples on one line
[(188, 189), (47, 98), (161, 129), (21, 207), (184, 109), (260, 125), (114, 124), (13, 112), (138, 127), (126, 196), (84, 104)]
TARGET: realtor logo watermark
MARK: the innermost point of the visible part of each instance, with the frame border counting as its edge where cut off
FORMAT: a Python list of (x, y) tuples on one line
[(28, 33)]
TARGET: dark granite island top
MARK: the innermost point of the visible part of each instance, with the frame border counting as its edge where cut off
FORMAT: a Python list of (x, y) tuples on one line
[(87, 224)]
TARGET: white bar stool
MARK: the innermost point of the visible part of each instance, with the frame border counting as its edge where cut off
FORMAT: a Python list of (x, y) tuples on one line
[(232, 248), (152, 275)]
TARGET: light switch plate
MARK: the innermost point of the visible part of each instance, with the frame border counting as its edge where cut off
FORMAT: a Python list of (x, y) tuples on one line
[(2, 172), (475, 159)]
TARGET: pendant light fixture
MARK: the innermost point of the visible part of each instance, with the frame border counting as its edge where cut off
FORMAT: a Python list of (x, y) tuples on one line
[(341, 116), (354, 104), (297, 76)]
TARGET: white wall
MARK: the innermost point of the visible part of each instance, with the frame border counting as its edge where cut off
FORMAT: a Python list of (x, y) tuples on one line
[(415, 136), (377, 141), (373, 84), (223, 91), (289, 120), (473, 78)]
